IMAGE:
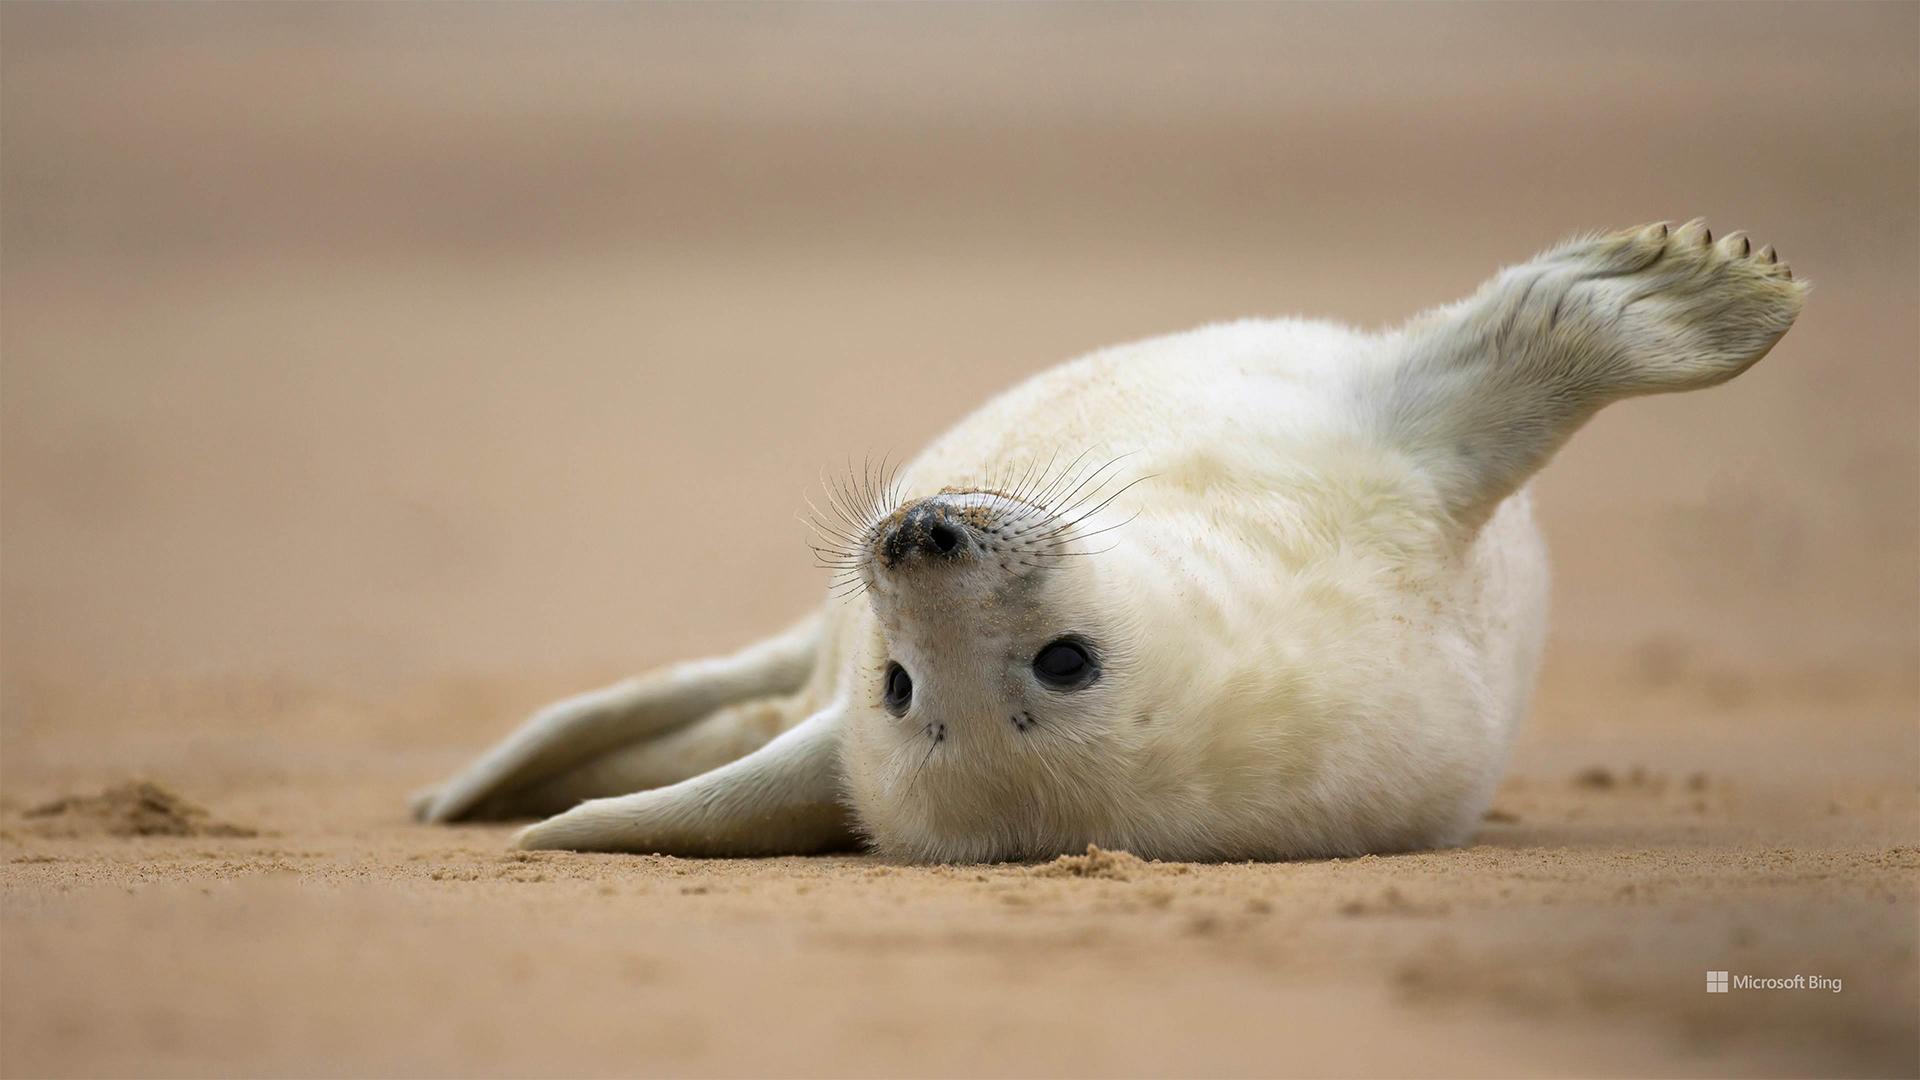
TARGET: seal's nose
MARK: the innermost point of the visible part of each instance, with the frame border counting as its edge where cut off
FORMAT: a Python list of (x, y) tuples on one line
[(926, 530)]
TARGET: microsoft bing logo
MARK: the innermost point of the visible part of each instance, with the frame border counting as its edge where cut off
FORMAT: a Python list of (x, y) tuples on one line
[(1719, 983)]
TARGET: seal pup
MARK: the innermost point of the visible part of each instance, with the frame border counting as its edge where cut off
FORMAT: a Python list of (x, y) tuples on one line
[(1291, 606)]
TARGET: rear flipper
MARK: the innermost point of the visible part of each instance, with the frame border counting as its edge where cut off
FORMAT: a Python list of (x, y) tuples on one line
[(1481, 393), (783, 799), (563, 746)]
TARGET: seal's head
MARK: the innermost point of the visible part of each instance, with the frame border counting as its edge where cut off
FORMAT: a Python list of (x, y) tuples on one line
[(998, 670)]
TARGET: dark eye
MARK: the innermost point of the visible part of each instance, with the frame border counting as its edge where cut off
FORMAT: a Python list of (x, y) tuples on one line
[(899, 691), (1065, 665)]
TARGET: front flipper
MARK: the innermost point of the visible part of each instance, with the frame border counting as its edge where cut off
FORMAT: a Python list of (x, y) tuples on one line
[(570, 733), (1481, 393), (782, 799)]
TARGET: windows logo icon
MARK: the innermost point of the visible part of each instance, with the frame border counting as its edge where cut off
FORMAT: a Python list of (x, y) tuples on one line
[(1716, 982)]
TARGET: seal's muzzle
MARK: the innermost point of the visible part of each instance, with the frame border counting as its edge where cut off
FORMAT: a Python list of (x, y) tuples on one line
[(927, 530)]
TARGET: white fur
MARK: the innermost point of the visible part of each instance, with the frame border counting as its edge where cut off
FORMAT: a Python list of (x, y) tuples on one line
[(1318, 608)]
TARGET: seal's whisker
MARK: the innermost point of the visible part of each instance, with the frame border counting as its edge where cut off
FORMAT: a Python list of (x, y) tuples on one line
[(825, 529), (1042, 567), (1000, 483), (1073, 538), (895, 492), (1073, 554), (1092, 493), (824, 483), (1068, 516), (1020, 489), (878, 483), (1030, 490), (828, 492), (1076, 495), (850, 486), (843, 526), (832, 558), (1036, 473), (828, 546), (1067, 532), (859, 494), (1011, 502), (873, 478), (849, 594), (827, 533), (936, 739), (853, 494), (1068, 478), (1045, 495), (846, 503), (842, 501), (1003, 502), (1104, 503)]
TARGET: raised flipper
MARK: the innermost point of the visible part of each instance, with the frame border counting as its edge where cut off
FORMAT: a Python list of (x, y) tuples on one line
[(783, 799), (1482, 392), (571, 733)]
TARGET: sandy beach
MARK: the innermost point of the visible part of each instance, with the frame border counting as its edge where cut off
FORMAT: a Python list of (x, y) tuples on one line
[(370, 376)]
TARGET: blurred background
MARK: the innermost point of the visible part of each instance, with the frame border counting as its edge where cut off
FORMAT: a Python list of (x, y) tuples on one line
[(373, 373), (365, 342)]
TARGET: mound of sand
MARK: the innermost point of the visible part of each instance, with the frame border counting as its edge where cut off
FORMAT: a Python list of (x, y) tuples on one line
[(134, 808), (1098, 862)]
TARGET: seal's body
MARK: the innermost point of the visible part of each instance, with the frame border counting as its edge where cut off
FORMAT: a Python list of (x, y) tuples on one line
[(1268, 589)]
